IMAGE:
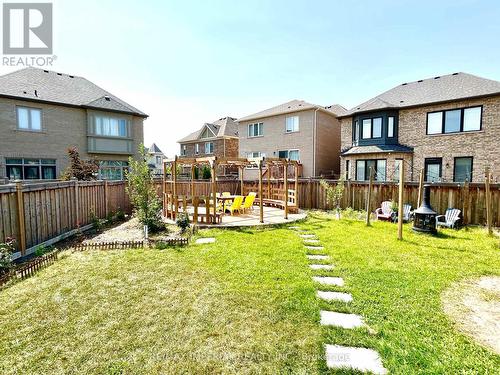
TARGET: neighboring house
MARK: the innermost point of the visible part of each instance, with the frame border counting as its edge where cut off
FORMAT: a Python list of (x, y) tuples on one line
[(296, 130), (449, 126), (42, 113), (218, 138), (155, 160)]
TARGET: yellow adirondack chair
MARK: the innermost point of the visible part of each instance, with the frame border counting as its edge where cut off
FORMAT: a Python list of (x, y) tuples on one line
[(248, 204), (236, 205)]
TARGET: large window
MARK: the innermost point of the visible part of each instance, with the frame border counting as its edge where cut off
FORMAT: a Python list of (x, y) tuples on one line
[(363, 168), (463, 169), (390, 127), (289, 154), (292, 124), (454, 120), (367, 128), (112, 169), (209, 148), (111, 127), (31, 169), (433, 169), (255, 130), (372, 128), (29, 119)]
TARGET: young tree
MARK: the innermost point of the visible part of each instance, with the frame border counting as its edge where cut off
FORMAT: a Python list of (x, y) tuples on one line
[(82, 170), (334, 194), (142, 192)]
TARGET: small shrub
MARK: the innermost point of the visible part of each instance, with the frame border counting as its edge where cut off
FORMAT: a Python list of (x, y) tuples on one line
[(120, 215), (6, 250), (183, 221), (96, 222), (206, 174), (334, 194)]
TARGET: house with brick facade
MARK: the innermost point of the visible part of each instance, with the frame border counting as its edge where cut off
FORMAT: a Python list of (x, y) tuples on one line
[(217, 138), (297, 130), (448, 126), (43, 113)]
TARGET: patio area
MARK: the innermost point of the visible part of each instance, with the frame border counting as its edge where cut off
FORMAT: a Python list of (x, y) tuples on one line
[(272, 216)]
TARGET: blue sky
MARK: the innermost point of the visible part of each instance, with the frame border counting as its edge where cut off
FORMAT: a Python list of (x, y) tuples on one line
[(190, 62)]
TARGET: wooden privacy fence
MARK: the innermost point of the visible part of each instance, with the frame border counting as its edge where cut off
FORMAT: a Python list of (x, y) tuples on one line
[(469, 198), (43, 212)]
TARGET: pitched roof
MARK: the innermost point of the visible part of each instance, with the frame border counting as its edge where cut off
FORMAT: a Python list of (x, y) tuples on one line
[(293, 106), (47, 86), (155, 149), (223, 127), (432, 90), (374, 149)]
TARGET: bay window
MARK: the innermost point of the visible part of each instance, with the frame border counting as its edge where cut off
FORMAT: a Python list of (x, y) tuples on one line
[(111, 127), (363, 168)]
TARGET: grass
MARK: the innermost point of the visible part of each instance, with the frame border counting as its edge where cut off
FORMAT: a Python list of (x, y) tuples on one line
[(246, 304)]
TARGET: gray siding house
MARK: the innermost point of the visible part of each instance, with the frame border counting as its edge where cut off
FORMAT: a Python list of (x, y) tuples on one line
[(42, 113)]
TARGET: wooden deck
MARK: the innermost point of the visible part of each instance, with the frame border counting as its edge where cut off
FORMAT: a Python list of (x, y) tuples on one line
[(272, 216)]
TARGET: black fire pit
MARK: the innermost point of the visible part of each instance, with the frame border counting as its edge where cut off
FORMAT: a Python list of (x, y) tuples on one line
[(424, 216)]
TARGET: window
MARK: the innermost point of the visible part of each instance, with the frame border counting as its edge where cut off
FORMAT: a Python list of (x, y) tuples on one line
[(463, 169), (377, 127), (367, 128), (206, 134), (433, 168), (356, 132), (289, 154), (183, 150), (397, 165), (158, 160), (209, 148), (472, 119), (112, 169), (434, 123), (111, 127), (390, 127), (254, 154), (454, 120), (196, 148), (31, 169), (363, 168), (29, 119), (347, 169), (292, 124), (255, 130)]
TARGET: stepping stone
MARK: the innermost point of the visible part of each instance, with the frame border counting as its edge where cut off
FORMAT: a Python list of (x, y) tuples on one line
[(294, 228), (317, 257), (361, 359), (328, 280), (315, 247), (307, 235), (334, 296), (205, 240), (327, 267), (348, 321), (311, 241)]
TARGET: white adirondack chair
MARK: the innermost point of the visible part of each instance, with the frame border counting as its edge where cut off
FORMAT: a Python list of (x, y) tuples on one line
[(407, 214), (449, 219), (384, 212)]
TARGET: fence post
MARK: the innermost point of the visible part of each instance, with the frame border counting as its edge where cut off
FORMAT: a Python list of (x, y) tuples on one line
[(20, 217), (106, 205), (77, 204), (465, 202), (368, 199), (488, 201), (400, 202)]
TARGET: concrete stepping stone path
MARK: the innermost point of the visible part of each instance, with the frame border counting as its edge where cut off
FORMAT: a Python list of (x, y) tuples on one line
[(328, 280), (361, 359), (348, 321), (315, 248), (309, 241), (334, 296), (326, 267), (205, 240), (317, 257), (307, 236)]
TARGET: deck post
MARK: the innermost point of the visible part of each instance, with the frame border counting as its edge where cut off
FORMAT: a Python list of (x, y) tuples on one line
[(163, 188), (400, 202), (242, 184), (261, 201), (174, 179), (297, 186), (285, 181), (192, 180), (195, 214), (213, 167), (20, 217), (269, 181)]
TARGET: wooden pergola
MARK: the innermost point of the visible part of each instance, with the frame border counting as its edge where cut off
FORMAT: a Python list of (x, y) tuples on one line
[(290, 196)]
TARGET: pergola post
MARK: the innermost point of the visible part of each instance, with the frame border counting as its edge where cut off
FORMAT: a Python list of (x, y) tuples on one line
[(163, 188), (242, 184), (297, 185), (192, 180), (261, 200), (213, 166), (174, 188), (285, 176), (269, 166)]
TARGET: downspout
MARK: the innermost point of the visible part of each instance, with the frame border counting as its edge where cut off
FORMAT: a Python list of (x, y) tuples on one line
[(314, 140)]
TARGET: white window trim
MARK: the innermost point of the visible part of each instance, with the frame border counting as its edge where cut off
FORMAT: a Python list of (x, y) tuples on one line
[(288, 153), (209, 152), (298, 125), (30, 125), (197, 148), (261, 127)]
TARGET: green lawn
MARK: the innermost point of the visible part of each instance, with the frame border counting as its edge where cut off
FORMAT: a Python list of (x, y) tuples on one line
[(246, 304)]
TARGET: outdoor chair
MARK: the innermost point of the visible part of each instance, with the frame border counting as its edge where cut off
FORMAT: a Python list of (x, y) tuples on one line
[(248, 204), (407, 212), (236, 205), (450, 219), (385, 211)]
